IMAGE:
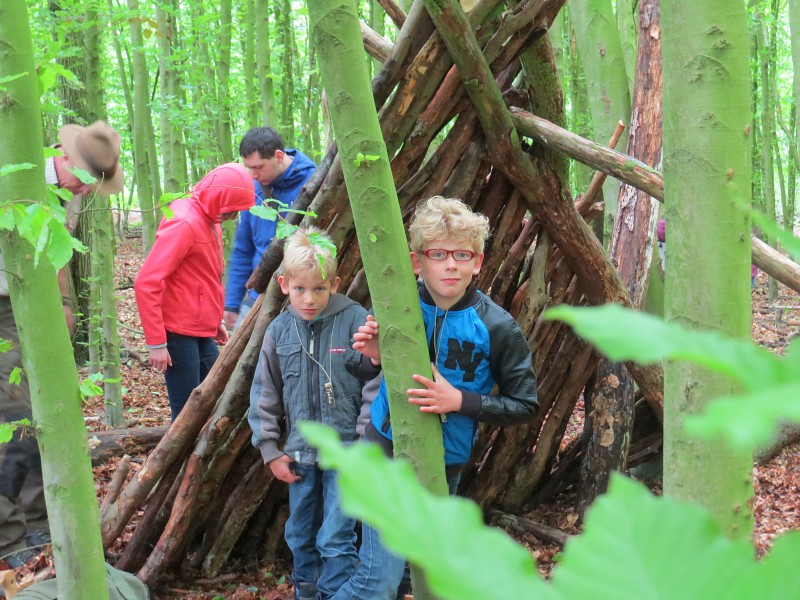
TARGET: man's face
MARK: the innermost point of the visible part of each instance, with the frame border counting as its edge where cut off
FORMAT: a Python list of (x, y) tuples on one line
[(265, 170), (68, 180)]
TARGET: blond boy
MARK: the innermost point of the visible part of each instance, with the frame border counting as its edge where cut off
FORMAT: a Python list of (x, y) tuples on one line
[(309, 372)]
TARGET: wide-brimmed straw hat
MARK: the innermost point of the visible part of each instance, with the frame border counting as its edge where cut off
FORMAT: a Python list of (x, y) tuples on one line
[(95, 149)]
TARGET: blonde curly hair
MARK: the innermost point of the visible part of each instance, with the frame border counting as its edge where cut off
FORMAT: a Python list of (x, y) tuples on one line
[(438, 218)]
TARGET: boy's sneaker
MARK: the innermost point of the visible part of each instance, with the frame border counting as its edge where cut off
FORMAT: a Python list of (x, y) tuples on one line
[(20, 558)]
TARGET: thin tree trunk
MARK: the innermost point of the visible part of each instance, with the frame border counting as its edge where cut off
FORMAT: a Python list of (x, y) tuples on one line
[(610, 402), (47, 356), (106, 250), (249, 66), (370, 185), (269, 115), (224, 135), (140, 130), (598, 41)]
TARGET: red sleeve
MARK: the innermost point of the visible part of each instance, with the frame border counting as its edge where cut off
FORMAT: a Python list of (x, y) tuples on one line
[(173, 241)]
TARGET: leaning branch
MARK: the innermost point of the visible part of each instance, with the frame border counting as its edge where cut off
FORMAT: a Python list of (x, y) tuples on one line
[(634, 172)]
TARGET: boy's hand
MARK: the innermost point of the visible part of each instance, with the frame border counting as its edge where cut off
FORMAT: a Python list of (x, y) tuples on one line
[(366, 341), (281, 467), (437, 397)]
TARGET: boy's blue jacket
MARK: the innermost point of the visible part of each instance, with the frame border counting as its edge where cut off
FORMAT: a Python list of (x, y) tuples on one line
[(295, 356), (253, 234), (474, 345)]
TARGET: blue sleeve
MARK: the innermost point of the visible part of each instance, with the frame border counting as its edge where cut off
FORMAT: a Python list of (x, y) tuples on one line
[(240, 261)]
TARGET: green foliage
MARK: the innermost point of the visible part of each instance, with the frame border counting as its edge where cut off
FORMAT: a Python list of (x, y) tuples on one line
[(634, 545), (7, 429), (429, 530), (90, 386), (624, 335), (15, 377), (5, 345), (42, 223)]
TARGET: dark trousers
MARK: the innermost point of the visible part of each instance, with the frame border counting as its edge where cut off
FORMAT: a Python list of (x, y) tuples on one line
[(192, 359), (22, 506)]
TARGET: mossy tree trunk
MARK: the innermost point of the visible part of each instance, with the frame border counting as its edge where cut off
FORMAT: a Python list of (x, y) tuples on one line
[(46, 350), (706, 155), (381, 235)]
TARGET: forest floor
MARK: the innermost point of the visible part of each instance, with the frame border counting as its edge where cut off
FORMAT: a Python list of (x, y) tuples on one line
[(777, 482)]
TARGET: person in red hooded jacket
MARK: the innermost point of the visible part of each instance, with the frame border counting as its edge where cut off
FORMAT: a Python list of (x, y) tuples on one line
[(179, 289)]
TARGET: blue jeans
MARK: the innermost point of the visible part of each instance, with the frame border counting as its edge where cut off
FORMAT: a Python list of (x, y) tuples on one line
[(321, 537), (380, 572), (192, 359)]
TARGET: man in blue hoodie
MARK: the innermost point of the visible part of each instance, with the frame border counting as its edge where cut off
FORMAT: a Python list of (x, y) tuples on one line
[(281, 171)]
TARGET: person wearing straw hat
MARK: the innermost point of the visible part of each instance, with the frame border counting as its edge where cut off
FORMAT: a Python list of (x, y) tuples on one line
[(23, 516)]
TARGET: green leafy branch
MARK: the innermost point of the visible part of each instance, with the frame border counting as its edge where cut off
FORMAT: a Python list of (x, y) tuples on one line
[(8, 428)]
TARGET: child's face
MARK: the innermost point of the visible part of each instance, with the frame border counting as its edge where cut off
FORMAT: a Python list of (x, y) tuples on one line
[(447, 279), (308, 293)]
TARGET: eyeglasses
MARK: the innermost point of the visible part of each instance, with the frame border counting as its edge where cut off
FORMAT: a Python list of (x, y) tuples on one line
[(458, 255)]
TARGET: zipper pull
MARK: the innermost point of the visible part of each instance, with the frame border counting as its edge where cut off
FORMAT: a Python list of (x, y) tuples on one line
[(311, 342)]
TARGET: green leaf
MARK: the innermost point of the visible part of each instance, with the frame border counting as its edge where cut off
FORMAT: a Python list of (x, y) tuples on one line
[(5, 345), (41, 243), (307, 213), (167, 212), (50, 152), (61, 246), (373, 238), (7, 221), (322, 242), (623, 335), (89, 387), (371, 157), (7, 169), (7, 429), (264, 212), (284, 229), (358, 159), (635, 545), (15, 377), (747, 421), (84, 176), (10, 78), (445, 534)]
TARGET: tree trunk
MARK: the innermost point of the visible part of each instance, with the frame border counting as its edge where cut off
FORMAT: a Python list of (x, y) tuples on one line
[(609, 412), (249, 66), (269, 115), (109, 340), (598, 41), (140, 131), (365, 162), (47, 356), (287, 77), (116, 442), (224, 136), (706, 155)]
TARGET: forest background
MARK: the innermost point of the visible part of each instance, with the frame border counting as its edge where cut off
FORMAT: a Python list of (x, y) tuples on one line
[(183, 74)]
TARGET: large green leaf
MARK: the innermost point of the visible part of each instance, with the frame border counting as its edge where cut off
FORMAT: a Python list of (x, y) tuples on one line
[(463, 559), (622, 334), (750, 420), (639, 546)]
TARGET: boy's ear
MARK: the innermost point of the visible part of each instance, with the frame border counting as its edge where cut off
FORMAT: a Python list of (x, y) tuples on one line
[(416, 263), (335, 284), (284, 283), (478, 263)]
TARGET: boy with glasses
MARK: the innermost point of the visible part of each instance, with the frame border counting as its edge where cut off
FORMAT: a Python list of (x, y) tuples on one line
[(474, 345)]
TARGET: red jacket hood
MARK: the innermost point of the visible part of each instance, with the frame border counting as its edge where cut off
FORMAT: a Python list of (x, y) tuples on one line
[(226, 188)]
